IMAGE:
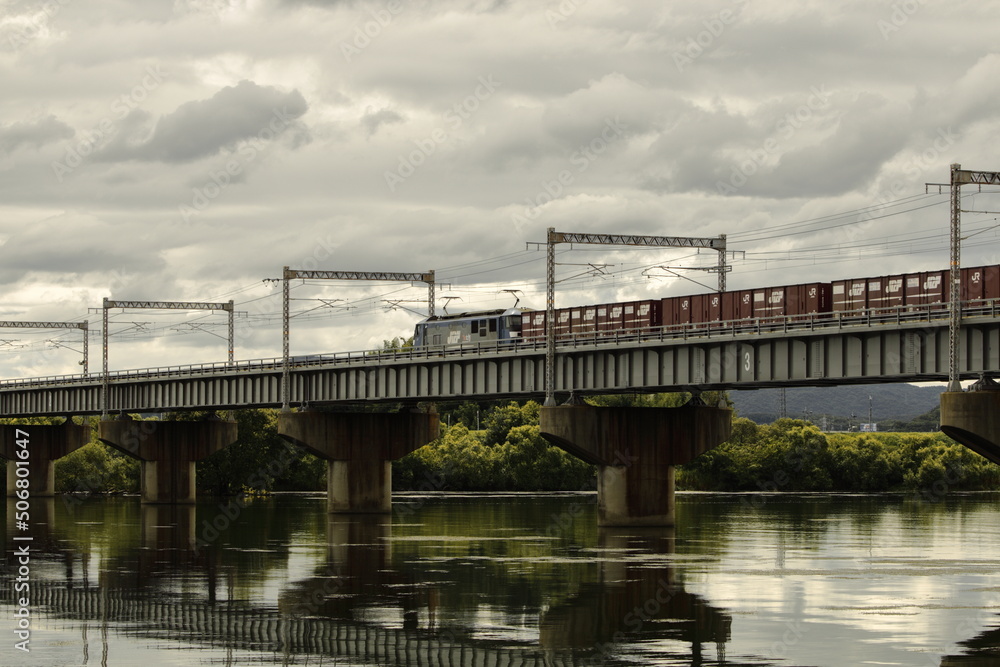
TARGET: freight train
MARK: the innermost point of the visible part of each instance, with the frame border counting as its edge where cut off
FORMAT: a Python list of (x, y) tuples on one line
[(856, 296)]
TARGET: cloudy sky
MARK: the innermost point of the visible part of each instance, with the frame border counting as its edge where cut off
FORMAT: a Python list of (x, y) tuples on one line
[(189, 151)]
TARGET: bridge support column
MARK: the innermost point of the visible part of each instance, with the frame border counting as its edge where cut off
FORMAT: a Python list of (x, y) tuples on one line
[(168, 451), (973, 418), (358, 448), (635, 450), (44, 444)]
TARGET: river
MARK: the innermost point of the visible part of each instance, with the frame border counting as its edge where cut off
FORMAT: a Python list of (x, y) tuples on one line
[(506, 579)]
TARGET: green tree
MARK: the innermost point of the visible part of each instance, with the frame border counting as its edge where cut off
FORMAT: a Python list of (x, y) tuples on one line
[(502, 419), (260, 460), (97, 468)]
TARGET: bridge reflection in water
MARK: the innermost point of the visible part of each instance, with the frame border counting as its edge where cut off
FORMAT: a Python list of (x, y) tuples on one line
[(366, 598), (509, 580)]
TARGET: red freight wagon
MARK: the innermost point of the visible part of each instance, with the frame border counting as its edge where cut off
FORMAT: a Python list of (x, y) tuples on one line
[(706, 308), (533, 324), (849, 294), (980, 284), (675, 310), (759, 303), (770, 301), (641, 315), (807, 299), (926, 287), (588, 322), (564, 322), (737, 305), (616, 316), (601, 317), (886, 293)]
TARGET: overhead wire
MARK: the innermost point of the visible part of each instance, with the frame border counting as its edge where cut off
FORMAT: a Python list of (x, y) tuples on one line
[(627, 275)]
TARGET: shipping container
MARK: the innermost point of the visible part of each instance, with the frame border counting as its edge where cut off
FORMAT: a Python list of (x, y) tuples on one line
[(848, 295), (533, 324), (771, 302), (737, 305), (601, 320), (759, 303), (926, 288), (640, 315), (807, 299), (614, 320), (886, 293), (675, 310), (564, 322), (706, 308), (980, 284)]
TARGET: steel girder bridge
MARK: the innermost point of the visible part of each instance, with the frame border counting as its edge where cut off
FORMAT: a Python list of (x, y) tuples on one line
[(825, 349)]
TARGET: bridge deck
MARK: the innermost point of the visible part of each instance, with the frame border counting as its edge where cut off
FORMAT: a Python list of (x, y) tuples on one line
[(849, 348)]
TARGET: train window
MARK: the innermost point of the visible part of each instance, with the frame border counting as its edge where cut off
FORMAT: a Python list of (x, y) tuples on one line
[(482, 327), (493, 325)]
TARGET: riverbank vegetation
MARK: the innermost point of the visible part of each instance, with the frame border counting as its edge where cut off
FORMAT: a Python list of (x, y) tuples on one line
[(498, 447)]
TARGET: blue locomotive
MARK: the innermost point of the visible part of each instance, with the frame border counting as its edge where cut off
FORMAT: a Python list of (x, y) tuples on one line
[(469, 328)]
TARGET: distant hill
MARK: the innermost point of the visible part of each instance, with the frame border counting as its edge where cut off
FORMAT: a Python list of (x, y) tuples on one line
[(900, 402)]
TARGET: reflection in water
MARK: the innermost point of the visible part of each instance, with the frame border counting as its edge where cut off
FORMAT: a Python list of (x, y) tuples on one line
[(511, 580), (980, 651), (634, 600)]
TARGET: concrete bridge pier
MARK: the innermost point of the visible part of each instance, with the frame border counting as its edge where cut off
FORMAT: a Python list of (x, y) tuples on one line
[(168, 451), (359, 448), (973, 417), (42, 446), (636, 450)]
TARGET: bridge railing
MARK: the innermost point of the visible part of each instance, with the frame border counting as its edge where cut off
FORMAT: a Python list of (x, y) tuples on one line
[(718, 329)]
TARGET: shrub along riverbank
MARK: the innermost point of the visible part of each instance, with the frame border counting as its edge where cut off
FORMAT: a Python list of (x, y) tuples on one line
[(506, 453)]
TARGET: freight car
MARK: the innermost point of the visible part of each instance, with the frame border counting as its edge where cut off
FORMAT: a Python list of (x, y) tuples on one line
[(926, 290), (604, 318)]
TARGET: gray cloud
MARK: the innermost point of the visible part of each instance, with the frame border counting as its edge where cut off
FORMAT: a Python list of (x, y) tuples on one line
[(202, 128), (36, 133), (373, 120), (484, 181)]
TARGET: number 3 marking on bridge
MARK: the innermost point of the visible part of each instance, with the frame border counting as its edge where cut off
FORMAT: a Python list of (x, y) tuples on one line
[(746, 361)]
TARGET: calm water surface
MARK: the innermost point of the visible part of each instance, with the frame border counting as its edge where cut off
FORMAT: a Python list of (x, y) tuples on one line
[(510, 580)]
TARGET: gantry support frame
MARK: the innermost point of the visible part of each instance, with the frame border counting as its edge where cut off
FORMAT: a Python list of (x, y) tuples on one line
[(9, 324), (156, 305), (713, 243), (292, 274)]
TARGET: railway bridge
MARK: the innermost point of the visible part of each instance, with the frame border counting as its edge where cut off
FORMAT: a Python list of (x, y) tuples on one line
[(636, 449)]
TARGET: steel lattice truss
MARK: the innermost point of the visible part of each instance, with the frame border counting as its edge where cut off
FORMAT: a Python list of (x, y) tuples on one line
[(42, 325), (291, 274), (963, 176), (715, 243), (169, 305)]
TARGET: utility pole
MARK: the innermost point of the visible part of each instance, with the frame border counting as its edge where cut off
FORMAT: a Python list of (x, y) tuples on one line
[(291, 274), (554, 237), (959, 177)]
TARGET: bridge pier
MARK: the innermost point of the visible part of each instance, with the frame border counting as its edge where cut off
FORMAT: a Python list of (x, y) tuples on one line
[(359, 448), (44, 444), (168, 451), (973, 418), (636, 450)]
